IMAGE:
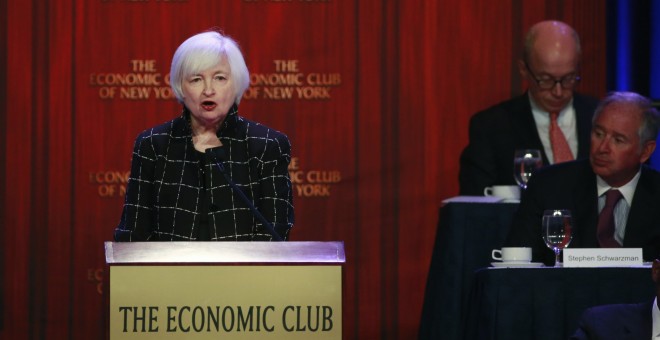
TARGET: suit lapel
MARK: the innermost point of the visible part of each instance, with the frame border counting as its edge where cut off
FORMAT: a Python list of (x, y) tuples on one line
[(523, 121), (640, 325), (586, 209), (583, 115), (641, 211)]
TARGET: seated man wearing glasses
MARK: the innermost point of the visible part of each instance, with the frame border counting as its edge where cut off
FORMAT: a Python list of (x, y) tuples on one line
[(549, 117)]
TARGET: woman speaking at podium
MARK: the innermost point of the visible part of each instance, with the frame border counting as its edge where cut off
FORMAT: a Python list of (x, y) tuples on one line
[(209, 174)]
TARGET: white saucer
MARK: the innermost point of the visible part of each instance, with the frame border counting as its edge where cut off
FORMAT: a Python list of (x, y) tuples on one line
[(517, 264)]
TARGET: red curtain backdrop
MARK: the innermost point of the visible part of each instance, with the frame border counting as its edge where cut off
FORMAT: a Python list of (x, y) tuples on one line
[(374, 95)]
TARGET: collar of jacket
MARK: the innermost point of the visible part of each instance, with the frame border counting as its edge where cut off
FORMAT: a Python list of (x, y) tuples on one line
[(184, 129)]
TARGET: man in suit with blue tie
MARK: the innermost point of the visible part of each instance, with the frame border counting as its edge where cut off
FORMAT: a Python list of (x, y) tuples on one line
[(623, 321)]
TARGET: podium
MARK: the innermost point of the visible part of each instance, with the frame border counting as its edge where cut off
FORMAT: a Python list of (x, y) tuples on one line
[(225, 290)]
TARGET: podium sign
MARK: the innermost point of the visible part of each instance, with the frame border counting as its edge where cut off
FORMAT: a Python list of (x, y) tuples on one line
[(225, 290)]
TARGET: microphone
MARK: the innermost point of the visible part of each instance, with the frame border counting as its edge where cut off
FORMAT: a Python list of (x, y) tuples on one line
[(218, 162)]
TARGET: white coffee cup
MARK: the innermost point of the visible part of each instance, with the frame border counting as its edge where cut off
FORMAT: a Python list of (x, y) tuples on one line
[(513, 254), (507, 192)]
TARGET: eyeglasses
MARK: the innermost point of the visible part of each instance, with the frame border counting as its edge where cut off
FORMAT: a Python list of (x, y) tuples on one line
[(567, 82)]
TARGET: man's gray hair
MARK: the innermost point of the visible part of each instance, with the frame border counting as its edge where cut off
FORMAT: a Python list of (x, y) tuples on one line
[(648, 130)]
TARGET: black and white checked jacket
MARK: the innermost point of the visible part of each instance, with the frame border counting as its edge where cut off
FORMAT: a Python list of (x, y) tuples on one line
[(163, 191)]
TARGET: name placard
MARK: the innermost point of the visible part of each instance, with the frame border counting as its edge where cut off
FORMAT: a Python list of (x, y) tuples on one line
[(603, 257)]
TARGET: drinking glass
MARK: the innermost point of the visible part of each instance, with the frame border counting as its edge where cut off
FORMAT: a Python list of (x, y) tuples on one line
[(557, 228), (525, 162)]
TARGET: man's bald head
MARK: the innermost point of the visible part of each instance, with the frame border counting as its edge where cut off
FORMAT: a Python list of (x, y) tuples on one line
[(551, 37)]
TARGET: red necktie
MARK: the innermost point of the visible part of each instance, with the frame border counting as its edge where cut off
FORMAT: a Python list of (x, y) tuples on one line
[(560, 149), (605, 232)]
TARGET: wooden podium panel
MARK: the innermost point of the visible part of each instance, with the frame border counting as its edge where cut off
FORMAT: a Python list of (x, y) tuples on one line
[(225, 290)]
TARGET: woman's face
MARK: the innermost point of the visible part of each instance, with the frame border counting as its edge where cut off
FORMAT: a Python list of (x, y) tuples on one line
[(209, 94)]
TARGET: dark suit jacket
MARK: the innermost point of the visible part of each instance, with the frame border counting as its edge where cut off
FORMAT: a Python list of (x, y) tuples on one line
[(164, 195), (497, 132), (572, 186), (616, 322)]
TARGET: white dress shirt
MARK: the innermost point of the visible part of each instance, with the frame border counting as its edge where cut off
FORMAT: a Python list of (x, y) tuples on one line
[(622, 207), (567, 124), (655, 318)]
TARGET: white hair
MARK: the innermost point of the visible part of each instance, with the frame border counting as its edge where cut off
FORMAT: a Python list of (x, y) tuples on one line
[(203, 51)]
